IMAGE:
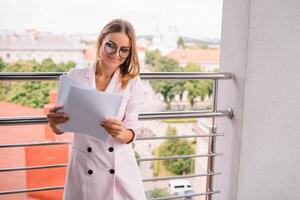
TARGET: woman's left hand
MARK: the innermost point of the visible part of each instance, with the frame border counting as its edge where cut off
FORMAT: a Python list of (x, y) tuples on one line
[(115, 128)]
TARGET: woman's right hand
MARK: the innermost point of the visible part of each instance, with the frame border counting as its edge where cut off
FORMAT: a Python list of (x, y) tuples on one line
[(55, 118)]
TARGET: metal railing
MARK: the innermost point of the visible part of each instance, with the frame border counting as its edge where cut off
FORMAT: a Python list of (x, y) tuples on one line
[(214, 113)]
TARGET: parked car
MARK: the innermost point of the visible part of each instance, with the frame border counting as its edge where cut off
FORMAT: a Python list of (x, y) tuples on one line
[(181, 187)]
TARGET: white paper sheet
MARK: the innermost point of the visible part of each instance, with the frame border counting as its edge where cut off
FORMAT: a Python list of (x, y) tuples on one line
[(65, 82), (86, 108)]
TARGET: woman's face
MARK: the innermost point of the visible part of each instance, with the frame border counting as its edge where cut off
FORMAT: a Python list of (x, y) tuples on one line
[(115, 48)]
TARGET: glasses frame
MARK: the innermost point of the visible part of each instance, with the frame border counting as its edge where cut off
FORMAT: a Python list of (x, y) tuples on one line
[(118, 49)]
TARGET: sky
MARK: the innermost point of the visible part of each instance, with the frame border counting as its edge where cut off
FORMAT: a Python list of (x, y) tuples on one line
[(192, 18)]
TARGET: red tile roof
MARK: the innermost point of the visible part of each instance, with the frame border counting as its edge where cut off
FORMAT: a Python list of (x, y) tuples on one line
[(195, 55)]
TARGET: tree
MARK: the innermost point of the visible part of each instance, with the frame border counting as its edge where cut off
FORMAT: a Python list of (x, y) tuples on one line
[(197, 88), (34, 93), (2, 64), (180, 43), (152, 57), (158, 192), (21, 66), (168, 89), (178, 146)]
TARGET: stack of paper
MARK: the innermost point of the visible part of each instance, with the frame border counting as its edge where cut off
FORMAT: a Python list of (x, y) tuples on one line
[(86, 107)]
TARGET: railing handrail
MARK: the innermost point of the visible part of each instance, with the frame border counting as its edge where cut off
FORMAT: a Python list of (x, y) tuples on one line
[(214, 113), (62, 187), (11, 76), (21, 120), (11, 169), (137, 138)]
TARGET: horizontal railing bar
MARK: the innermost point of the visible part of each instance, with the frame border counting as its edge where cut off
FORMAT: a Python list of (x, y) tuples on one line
[(185, 75), (25, 120), (179, 157), (140, 160), (31, 190), (183, 196), (184, 114), (138, 139), (177, 136), (31, 168), (62, 187), (33, 144), (15, 76), (27, 76), (181, 177)]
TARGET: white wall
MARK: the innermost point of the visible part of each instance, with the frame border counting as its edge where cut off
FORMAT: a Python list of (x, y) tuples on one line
[(57, 56), (261, 46)]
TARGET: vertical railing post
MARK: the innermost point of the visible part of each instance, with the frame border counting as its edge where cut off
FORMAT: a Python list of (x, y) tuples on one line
[(212, 143)]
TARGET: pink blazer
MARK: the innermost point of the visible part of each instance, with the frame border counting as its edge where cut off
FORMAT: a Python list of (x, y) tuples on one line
[(107, 170)]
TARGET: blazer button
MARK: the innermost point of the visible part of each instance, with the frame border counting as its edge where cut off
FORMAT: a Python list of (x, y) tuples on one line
[(110, 149), (90, 172), (111, 171), (89, 149)]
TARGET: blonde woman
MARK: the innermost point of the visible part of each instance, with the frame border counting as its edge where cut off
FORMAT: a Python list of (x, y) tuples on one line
[(107, 170)]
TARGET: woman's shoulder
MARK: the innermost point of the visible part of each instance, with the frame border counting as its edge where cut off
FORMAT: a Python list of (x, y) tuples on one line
[(79, 72), (135, 82), (136, 79)]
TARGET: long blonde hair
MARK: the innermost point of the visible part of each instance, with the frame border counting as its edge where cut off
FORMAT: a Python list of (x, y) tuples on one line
[(130, 68)]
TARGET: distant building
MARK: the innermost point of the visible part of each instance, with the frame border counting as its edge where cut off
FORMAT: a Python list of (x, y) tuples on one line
[(208, 58), (165, 41), (32, 44)]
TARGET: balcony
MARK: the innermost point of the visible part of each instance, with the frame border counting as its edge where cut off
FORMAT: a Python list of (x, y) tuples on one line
[(260, 145), (31, 149)]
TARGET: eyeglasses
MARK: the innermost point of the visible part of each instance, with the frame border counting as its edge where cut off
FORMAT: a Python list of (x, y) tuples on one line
[(111, 48)]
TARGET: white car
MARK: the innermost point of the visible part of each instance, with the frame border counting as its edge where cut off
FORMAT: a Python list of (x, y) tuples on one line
[(180, 187)]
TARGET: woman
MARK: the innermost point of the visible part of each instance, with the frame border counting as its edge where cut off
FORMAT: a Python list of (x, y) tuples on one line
[(107, 170)]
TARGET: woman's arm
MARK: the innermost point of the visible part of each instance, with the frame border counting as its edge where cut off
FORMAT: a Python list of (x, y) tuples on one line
[(117, 130), (126, 130)]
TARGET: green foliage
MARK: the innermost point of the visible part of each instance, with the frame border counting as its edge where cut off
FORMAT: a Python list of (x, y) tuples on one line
[(197, 88), (34, 93), (159, 192), (48, 65), (180, 120), (171, 131), (2, 64), (174, 147), (168, 89), (202, 46), (152, 57), (180, 43), (165, 64), (21, 66)]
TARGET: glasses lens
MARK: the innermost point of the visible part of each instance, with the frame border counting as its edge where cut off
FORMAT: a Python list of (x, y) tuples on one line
[(110, 48), (124, 53)]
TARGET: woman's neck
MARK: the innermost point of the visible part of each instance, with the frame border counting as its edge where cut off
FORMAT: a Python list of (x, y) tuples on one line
[(103, 71)]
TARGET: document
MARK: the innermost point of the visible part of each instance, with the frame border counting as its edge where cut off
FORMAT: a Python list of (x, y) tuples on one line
[(86, 108), (65, 82)]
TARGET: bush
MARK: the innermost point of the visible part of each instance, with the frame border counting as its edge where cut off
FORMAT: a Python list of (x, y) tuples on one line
[(159, 192)]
